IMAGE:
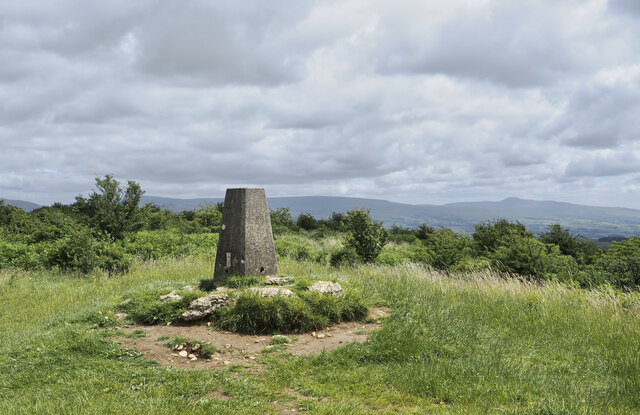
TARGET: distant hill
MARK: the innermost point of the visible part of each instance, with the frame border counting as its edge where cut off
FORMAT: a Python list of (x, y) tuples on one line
[(22, 204), (589, 221)]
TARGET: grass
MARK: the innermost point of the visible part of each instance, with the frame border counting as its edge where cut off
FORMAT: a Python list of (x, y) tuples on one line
[(453, 344)]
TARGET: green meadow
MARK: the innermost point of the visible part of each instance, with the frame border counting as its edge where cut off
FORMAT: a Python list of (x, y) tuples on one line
[(453, 343)]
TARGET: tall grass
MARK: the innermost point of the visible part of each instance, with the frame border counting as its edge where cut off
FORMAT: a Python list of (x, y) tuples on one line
[(457, 343)]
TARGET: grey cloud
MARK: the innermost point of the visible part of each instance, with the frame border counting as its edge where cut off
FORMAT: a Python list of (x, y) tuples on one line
[(601, 116), (516, 44), (206, 41), (361, 98), (611, 164), (625, 6)]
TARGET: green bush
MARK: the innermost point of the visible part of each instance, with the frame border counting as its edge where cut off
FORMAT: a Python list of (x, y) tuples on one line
[(620, 265), (529, 257), (77, 252), (447, 248), (364, 235), (394, 254), (169, 243), (296, 247), (346, 255), (113, 258), (491, 235)]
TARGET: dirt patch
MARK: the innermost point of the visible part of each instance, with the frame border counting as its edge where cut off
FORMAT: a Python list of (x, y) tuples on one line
[(242, 349)]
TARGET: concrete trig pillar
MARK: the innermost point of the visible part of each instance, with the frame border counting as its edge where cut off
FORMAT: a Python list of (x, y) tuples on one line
[(246, 244)]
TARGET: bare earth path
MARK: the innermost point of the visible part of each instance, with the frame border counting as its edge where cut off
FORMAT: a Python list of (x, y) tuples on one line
[(242, 349)]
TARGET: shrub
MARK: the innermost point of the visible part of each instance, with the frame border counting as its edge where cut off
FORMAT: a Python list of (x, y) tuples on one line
[(296, 247), (620, 265), (77, 252), (364, 235), (112, 258), (307, 222), (345, 256), (529, 257), (446, 248), (582, 249), (398, 254), (491, 235)]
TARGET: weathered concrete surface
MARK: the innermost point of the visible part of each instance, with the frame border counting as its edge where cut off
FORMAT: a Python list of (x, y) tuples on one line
[(246, 245)]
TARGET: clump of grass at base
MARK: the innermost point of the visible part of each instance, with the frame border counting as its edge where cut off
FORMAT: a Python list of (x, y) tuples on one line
[(279, 339), (243, 281), (310, 311), (145, 306)]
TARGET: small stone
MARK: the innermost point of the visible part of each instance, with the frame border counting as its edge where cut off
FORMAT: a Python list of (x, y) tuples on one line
[(187, 288), (314, 334), (172, 296), (256, 341), (183, 353), (252, 358), (175, 354), (327, 287), (320, 336), (277, 280), (192, 356), (180, 347), (271, 291), (329, 335), (226, 362), (195, 347), (204, 306)]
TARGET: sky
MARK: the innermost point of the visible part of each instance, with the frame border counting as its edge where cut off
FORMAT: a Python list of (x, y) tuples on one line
[(414, 101)]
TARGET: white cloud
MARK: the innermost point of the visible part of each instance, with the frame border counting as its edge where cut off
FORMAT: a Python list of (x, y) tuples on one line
[(418, 101)]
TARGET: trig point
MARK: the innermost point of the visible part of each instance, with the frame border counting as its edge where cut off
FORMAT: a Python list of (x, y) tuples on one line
[(246, 239)]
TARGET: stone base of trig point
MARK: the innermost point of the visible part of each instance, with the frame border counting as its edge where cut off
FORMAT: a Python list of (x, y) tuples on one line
[(246, 239)]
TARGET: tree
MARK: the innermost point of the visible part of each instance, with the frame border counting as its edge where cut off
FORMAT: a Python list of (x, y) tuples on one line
[(281, 221), (112, 211), (364, 235), (446, 248), (621, 263), (307, 222), (578, 247), (489, 236)]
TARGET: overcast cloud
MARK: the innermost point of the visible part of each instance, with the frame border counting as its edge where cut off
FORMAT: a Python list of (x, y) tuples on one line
[(416, 101)]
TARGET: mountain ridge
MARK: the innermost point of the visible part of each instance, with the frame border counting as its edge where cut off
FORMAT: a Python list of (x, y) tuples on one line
[(589, 221)]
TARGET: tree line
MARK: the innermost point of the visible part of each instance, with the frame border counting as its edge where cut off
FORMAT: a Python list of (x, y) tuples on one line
[(109, 229)]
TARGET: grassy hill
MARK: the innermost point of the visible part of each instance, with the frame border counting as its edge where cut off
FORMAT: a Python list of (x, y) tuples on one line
[(589, 221), (453, 344)]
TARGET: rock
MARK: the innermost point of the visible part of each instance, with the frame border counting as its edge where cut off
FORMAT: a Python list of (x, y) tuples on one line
[(172, 296), (271, 291), (320, 336), (192, 356), (183, 353), (204, 306), (327, 287), (277, 280)]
